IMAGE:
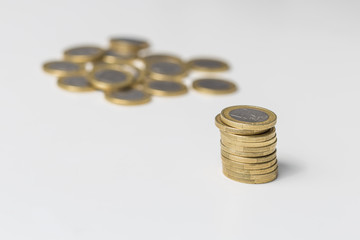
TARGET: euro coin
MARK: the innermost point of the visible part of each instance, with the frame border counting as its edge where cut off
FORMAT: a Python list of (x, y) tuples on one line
[(247, 154), (166, 70), (128, 96), (63, 68), (161, 58), (248, 166), (250, 172), (110, 77), (250, 176), (263, 137), (128, 45), (76, 83), (241, 159), (214, 86), (111, 56), (208, 65), (230, 142), (242, 148), (225, 128), (165, 88), (248, 118), (268, 178), (83, 54), (138, 74)]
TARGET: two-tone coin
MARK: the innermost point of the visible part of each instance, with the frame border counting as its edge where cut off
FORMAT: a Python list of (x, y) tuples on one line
[(75, 83), (162, 58), (128, 45), (165, 88), (230, 142), (166, 70), (83, 54), (111, 56), (208, 65), (263, 137), (247, 166), (128, 96), (63, 68), (214, 86), (248, 118), (225, 128), (110, 77), (253, 160)]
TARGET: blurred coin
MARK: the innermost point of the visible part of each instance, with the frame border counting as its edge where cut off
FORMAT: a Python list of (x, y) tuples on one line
[(166, 70), (214, 86), (208, 65), (225, 128), (248, 117), (128, 45), (83, 54), (162, 58), (110, 77), (165, 88), (111, 56), (63, 68), (128, 96), (76, 83), (241, 159)]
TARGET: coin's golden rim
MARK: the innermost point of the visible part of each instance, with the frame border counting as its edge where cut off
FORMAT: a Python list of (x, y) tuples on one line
[(166, 77), (192, 65), (251, 176), (116, 43), (227, 119), (248, 160), (244, 149), (257, 181), (72, 88), (83, 58), (248, 144), (62, 73), (115, 60), (200, 89), (107, 86), (271, 133), (162, 57), (247, 154), (250, 172), (225, 128), (162, 93), (145, 99), (248, 166)]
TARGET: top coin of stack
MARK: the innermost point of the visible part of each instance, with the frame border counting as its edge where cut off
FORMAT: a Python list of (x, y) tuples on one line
[(248, 143)]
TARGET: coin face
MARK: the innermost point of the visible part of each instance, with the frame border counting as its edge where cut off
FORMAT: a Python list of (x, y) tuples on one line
[(166, 68), (83, 54), (208, 65), (62, 68), (165, 88), (248, 117), (77, 83), (108, 77), (214, 86), (128, 96), (232, 130)]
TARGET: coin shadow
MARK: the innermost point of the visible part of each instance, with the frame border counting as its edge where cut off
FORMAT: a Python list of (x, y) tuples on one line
[(288, 169)]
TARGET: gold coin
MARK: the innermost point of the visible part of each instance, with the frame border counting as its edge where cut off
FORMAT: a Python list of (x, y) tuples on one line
[(269, 178), (208, 65), (263, 137), (125, 44), (138, 74), (76, 83), (214, 86), (165, 88), (252, 171), (225, 128), (166, 70), (111, 56), (230, 142), (240, 159), (247, 154), (162, 57), (128, 96), (250, 176), (248, 117), (248, 166), (241, 148), (110, 77), (63, 68), (83, 54)]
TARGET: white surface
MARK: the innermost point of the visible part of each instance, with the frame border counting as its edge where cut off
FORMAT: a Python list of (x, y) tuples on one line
[(73, 166)]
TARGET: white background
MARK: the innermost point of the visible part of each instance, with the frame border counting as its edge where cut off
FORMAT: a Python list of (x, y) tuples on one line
[(73, 166)]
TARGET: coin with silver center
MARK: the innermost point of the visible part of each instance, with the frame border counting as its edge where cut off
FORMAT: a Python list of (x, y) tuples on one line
[(128, 96), (166, 70), (83, 54), (63, 68), (108, 78), (111, 56), (165, 88), (77, 83), (208, 65), (214, 86)]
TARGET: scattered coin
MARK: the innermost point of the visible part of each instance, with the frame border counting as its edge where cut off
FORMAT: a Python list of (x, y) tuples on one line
[(165, 88), (111, 56), (128, 45), (76, 83), (166, 70), (208, 65), (128, 96), (214, 86), (110, 77), (83, 54), (63, 68)]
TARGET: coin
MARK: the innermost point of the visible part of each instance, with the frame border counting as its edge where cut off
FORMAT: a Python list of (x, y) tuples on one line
[(128, 96), (166, 70), (270, 177), (240, 159), (266, 136), (250, 172), (213, 86), (128, 45), (63, 68), (110, 77), (247, 154), (208, 65), (225, 128), (230, 142), (111, 56), (76, 83), (239, 147), (248, 117), (165, 88), (250, 176), (248, 166), (138, 74), (162, 57), (83, 54)]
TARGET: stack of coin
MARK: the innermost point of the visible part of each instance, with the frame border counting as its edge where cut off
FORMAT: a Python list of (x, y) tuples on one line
[(129, 75), (248, 143)]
